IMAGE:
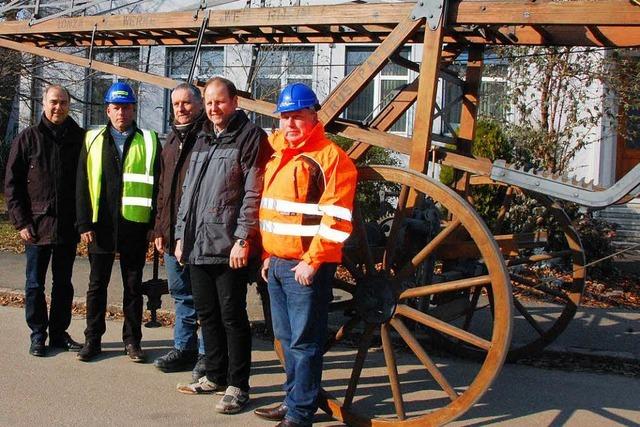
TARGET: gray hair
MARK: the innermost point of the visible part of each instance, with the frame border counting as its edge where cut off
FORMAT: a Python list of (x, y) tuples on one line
[(48, 88), (195, 92)]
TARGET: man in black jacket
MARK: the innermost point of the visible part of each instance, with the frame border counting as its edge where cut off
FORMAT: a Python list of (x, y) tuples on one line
[(40, 202), (116, 188), (216, 231), (188, 117)]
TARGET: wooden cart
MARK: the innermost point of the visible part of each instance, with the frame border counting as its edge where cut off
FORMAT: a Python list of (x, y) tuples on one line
[(438, 276)]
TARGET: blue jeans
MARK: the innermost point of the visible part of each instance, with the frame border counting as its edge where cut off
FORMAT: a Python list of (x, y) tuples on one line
[(185, 336), (59, 318), (300, 316)]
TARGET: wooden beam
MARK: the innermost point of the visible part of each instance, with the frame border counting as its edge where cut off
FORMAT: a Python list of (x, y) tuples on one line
[(428, 85), (353, 84)]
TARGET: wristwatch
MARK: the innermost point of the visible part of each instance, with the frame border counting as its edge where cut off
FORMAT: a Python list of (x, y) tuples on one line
[(242, 243)]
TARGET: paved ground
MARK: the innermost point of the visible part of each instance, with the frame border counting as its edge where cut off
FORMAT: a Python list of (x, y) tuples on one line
[(113, 391), (59, 390)]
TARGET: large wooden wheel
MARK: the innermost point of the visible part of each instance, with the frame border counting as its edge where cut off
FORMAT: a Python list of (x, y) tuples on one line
[(544, 302), (379, 289)]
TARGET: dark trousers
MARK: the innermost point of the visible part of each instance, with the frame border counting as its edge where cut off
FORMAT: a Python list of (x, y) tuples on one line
[(131, 266), (62, 258), (220, 297)]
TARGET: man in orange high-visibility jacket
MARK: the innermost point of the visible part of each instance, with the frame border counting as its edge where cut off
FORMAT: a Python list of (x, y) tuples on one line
[(305, 217)]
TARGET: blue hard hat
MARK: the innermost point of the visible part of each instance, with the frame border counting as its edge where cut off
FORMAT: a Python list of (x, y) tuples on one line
[(120, 93), (296, 96)]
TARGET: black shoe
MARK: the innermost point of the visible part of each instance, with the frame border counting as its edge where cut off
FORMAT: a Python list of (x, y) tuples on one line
[(65, 342), (135, 353), (89, 351), (275, 413), (176, 360), (200, 370), (38, 349)]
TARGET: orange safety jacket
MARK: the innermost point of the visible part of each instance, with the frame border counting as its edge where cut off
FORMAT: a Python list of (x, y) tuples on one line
[(307, 201)]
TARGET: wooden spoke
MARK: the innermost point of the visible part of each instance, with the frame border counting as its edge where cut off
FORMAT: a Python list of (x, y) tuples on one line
[(428, 249), (342, 332), (504, 208), (363, 245), (539, 287), (475, 297), (363, 348), (442, 327), (522, 310), (389, 252), (454, 285), (392, 370), (418, 350)]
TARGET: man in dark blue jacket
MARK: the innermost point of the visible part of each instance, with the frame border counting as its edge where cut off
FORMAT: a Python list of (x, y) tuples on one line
[(40, 196)]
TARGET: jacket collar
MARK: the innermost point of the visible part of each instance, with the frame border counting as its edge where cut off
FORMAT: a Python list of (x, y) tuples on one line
[(57, 131), (194, 127), (228, 135)]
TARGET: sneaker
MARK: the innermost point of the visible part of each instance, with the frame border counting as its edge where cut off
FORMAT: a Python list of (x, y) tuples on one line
[(233, 401), (176, 360), (200, 370), (202, 386)]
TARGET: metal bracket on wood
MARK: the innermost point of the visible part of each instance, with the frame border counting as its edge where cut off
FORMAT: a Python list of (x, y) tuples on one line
[(196, 53), (93, 36), (567, 188), (431, 10)]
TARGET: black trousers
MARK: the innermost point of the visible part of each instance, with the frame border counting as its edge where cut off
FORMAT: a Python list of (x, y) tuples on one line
[(220, 297), (132, 259), (62, 257)]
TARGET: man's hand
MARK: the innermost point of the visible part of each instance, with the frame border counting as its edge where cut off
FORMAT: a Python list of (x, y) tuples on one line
[(88, 237), (178, 252), (25, 235), (159, 242), (239, 256), (304, 273), (264, 270)]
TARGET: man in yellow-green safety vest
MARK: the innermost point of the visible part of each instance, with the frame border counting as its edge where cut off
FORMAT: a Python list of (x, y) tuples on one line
[(116, 187)]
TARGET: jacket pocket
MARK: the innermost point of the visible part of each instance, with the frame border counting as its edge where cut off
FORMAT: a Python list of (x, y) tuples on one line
[(218, 226)]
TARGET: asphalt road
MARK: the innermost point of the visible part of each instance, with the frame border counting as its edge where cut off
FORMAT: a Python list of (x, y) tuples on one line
[(59, 390)]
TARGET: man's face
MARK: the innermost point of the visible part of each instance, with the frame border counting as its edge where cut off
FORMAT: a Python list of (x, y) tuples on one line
[(121, 116), (185, 106), (297, 125), (56, 105), (219, 105)]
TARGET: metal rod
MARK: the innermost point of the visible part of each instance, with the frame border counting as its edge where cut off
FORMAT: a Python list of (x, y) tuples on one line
[(196, 53)]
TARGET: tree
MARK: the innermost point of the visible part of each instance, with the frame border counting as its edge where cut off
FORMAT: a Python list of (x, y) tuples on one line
[(558, 98)]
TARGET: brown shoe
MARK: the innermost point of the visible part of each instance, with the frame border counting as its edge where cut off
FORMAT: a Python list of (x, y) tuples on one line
[(275, 413), (135, 353), (288, 423)]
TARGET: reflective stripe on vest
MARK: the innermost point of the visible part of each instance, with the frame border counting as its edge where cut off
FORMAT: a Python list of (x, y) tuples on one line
[(137, 177)]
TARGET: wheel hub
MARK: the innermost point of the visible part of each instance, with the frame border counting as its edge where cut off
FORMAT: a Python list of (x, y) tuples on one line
[(375, 299)]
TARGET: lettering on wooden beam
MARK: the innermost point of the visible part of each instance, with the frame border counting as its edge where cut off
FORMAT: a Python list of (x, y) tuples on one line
[(137, 21)]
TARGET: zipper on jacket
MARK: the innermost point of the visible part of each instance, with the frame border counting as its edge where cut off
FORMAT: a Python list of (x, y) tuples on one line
[(295, 182)]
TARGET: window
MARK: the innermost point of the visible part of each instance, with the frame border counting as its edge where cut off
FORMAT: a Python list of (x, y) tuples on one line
[(276, 68), (492, 92), (99, 82), (380, 90), (210, 63)]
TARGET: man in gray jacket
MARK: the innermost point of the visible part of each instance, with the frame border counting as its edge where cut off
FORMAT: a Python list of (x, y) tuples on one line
[(216, 233)]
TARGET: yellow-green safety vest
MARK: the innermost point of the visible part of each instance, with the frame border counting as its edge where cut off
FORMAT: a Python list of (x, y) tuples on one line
[(137, 177)]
